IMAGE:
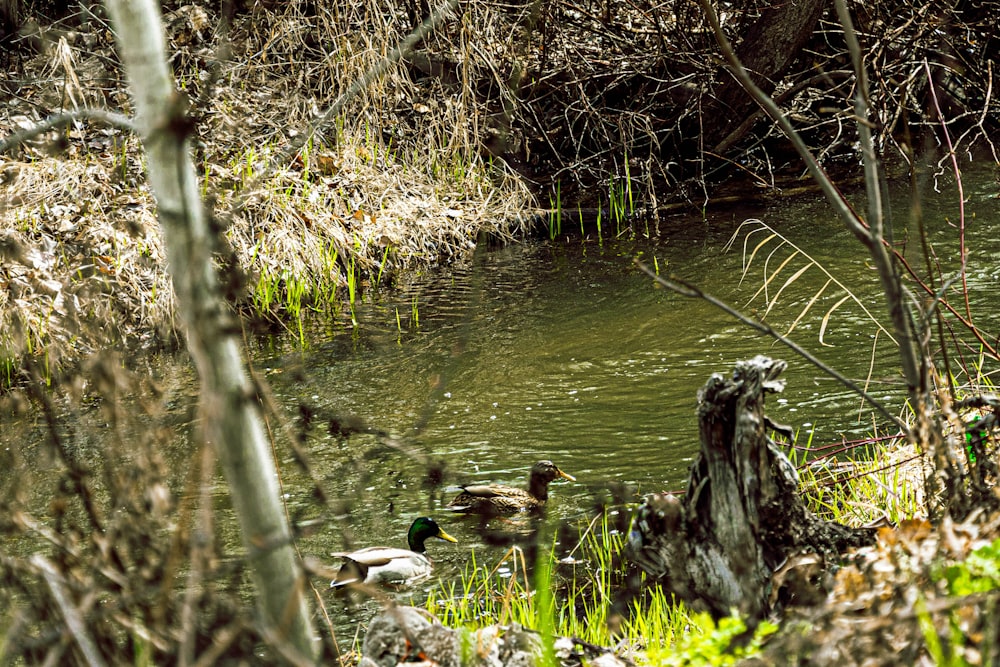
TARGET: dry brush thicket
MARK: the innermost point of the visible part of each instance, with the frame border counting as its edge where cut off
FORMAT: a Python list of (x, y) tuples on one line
[(498, 101), (83, 263), (604, 90)]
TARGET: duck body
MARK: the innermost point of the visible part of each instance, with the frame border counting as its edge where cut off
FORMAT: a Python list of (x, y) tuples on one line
[(392, 566), (502, 499), (383, 566)]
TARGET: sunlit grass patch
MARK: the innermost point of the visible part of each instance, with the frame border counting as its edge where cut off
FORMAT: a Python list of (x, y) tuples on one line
[(882, 478), (580, 596), (862, 482)]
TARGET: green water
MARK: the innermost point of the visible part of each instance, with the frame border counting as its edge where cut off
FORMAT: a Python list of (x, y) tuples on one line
[(564, 350)]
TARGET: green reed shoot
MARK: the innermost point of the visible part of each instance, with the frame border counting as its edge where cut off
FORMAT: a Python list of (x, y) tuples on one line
[(7, 371), (306, 150), (390, 151), (931, 639), (628, 187), (381, 268), (329, 256), (459, 169), (265, 292), (142, 649), (247, 168), (555, 216), (545, 608), (352, 283), (615, 205), (563, 598), (352, 289), (295, 291)]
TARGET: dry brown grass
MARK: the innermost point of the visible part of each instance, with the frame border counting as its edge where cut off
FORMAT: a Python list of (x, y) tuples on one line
[(81, 255), (395, 183)]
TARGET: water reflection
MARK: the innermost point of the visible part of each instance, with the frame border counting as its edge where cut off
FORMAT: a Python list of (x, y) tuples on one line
[(565, 351)]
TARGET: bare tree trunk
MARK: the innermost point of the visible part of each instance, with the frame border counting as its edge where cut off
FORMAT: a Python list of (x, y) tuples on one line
[(741, 518), (232, 423), (767, 50)]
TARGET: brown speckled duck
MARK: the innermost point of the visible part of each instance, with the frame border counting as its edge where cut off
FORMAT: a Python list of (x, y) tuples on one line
[(501, 499)]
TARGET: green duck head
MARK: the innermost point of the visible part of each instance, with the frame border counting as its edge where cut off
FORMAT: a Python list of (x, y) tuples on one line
[(423, 528)]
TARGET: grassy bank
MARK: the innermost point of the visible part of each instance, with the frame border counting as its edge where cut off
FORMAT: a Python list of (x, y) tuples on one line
[(356, 208), (585, 595)]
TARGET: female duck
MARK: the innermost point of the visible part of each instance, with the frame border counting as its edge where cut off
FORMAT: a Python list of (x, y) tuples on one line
[(391, 565), (500, 499)]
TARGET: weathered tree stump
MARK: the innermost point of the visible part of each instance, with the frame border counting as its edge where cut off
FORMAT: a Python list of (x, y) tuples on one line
[(741, 519)]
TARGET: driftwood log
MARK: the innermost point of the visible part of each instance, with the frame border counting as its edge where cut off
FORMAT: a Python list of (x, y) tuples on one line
[(741, 522)]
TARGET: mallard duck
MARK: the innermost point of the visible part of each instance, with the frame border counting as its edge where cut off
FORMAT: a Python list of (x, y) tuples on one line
[(391, 565), (501, 499)]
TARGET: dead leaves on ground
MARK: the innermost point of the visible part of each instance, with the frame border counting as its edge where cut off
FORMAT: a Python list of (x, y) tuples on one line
[(892, 604)]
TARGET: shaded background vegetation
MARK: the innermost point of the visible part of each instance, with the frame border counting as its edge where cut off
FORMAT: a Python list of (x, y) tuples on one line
[(582, 93), (580, 102)]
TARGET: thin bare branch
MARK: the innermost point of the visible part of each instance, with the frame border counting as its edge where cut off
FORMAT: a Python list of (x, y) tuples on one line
[(109, 118), (902, 321), (962, 251), (686, 289), (832, 193)]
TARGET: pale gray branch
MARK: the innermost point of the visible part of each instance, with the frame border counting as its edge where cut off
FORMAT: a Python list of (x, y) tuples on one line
[(104, 116), (230, 414), (75, 623)]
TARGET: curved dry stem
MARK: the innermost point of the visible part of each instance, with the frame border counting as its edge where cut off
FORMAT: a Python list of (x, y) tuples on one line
[(760, 225), (871, 238)]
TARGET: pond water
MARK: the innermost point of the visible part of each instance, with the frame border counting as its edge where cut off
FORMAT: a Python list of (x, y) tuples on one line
[(565, 350)]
